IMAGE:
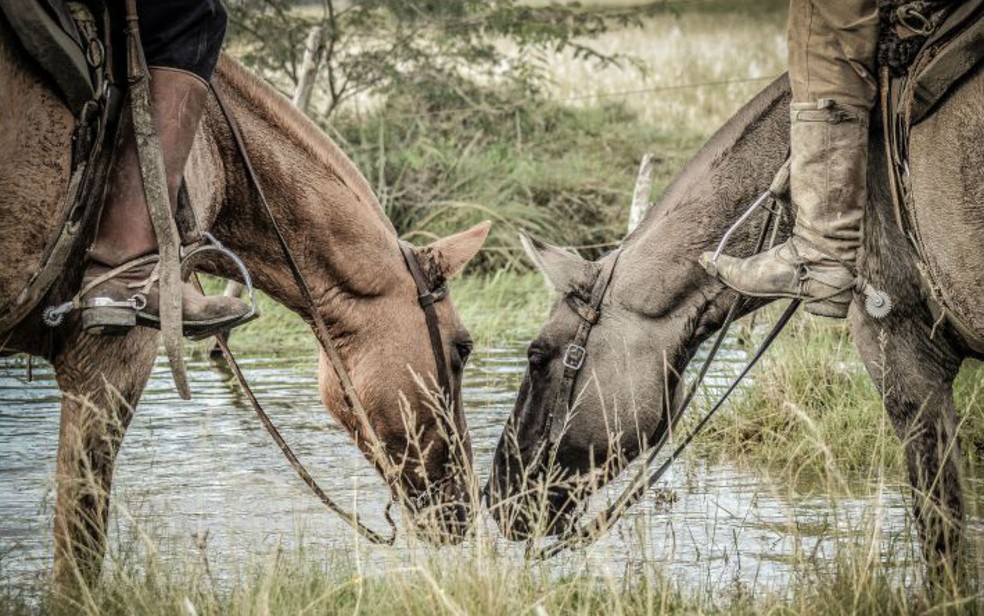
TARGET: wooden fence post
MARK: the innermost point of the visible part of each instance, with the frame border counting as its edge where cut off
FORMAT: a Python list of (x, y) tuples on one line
[(314, 51), (642, 192)]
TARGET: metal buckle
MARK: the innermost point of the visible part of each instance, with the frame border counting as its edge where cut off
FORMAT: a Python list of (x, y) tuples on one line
[(432, 297), (574, 356), (911, 17)]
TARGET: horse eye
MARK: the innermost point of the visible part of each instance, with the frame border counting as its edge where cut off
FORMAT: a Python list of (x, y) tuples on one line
[(464, 350), (535, 357)]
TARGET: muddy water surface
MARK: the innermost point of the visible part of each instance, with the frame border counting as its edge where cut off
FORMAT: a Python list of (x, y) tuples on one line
[(207, 466)]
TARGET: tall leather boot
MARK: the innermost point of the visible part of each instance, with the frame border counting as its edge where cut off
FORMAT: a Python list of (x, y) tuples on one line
[(828, 185), (120, 287)]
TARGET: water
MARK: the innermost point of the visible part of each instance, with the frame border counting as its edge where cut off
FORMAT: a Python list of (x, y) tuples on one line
[(188, 468)]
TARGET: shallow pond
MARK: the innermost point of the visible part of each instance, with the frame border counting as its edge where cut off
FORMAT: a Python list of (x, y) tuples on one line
[(207, 465)]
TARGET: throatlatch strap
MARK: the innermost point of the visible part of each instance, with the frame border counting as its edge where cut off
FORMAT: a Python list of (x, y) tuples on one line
[(574, 354)]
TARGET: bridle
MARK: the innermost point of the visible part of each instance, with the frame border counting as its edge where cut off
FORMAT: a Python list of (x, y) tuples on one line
[(426, 298), (588, 313)]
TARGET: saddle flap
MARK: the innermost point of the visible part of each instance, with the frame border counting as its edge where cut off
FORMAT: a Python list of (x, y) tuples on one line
[(54, 44), (956, 48)]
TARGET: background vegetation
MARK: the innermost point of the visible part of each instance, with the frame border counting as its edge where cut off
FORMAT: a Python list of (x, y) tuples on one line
[(536, 115)]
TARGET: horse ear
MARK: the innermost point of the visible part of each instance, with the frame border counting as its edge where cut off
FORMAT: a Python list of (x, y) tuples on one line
[(455, 251), (564, 271)]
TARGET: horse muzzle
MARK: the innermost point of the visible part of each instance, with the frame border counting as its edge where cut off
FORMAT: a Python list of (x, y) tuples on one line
[(441, 513)]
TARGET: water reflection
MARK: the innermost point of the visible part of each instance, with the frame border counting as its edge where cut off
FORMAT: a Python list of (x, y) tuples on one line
[(207, 465)]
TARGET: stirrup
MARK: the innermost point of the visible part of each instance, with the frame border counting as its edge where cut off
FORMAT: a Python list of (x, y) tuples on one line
[(877, 303), (209, 244), (117, 317)]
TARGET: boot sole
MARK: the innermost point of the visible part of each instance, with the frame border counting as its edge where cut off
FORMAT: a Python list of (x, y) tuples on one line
[(200, 330), (108, 321), (119, 321)]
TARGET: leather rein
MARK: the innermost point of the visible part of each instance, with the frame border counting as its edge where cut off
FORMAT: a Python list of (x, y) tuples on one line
[(426, 299)]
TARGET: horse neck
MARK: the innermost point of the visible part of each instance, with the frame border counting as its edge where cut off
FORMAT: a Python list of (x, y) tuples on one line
[(727, 174), (345, 246)]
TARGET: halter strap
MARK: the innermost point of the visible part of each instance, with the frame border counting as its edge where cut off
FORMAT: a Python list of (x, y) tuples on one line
[(427, 298), (589, 313)]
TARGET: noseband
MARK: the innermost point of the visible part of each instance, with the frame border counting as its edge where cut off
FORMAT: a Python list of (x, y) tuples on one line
[(588, 312)]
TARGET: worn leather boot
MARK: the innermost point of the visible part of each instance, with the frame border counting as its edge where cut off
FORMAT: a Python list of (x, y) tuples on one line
[(119, 286), (828, 171)]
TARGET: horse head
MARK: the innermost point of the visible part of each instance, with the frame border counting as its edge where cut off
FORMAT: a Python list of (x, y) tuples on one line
[(571, 431), (414, 429), (592, 400)]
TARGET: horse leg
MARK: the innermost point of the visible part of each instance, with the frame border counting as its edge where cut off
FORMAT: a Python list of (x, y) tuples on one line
[(101, 379), (914, 369)]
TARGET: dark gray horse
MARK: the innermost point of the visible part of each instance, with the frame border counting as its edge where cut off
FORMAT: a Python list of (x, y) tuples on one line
[(661, 305)]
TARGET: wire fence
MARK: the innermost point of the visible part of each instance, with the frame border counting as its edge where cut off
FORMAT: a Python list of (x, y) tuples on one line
[(570, 99)]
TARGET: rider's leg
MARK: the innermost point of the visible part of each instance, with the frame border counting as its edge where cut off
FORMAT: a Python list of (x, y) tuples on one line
[(832, 48), (125, 234)]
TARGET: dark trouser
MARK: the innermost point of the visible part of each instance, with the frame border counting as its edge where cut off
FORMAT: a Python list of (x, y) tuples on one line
[(181, 34)]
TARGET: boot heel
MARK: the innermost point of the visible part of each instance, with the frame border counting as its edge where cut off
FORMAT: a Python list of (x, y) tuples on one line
[(108, 321), (834, 307)]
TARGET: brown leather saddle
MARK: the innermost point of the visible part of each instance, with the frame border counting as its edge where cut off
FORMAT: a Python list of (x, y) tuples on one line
[(927, 48)]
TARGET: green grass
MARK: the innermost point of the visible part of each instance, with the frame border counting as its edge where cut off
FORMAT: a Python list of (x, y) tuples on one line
[(504, 307), (811, 410), (564, 174), (477, 579)]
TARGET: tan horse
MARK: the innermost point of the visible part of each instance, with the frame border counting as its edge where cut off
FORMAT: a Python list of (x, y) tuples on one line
[(348, 252)]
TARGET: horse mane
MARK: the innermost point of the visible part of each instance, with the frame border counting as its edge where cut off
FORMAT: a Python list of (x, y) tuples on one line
[(698, 174), (276, 109)]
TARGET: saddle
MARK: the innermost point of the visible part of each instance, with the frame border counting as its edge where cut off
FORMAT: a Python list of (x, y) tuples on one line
[(925, 50), (71, 42)]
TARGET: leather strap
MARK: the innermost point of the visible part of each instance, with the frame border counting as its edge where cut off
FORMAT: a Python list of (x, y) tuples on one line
[(588, 312), (895, 130), (93, 151), (580, 536), (351, 518), (351, 396), (154, 177), (586, 534), (427, 298)]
